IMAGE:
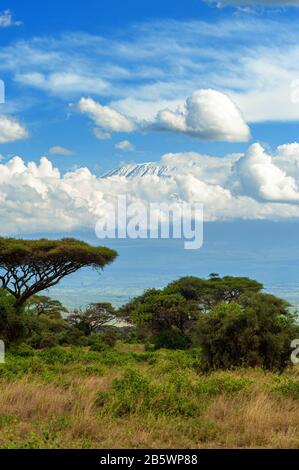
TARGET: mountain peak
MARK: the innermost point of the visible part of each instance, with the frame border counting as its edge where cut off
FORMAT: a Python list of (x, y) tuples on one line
[(141, 169)]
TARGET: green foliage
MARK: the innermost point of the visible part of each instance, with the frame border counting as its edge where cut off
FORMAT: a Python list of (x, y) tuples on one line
[(222, 384), (39, 327), (58, 355), (22, 350), (42, 305), (228, 321), (287, 387), (179, 305), (17, 366), (50, 363), (12, 323), (96, 343), (249, 333), (30, 266), (177, 395), (210, 292), (171, 339), (159, 311)]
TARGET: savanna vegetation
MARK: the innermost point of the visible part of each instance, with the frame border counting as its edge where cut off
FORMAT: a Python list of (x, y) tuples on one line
[(200, 363)]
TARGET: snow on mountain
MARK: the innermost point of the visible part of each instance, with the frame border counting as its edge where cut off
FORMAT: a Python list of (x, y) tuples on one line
[(141, 169)]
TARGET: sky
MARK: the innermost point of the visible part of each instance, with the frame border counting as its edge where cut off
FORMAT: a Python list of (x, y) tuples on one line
[(207, 89), (139, 58)]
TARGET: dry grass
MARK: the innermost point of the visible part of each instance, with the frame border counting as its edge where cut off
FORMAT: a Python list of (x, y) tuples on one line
[(256, 421), (37, 414)]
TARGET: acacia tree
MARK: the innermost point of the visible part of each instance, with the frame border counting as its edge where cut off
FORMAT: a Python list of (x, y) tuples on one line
[(43, 305), (93, 318), (210, 292), (27, 267)]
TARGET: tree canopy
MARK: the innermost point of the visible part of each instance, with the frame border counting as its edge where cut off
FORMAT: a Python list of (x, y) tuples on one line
[(209, 292), (93, 318), (161, 311), (230, 318), (30, 266), (43, 305)]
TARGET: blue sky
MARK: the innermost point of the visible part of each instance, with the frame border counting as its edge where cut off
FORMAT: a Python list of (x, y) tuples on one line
[(47, 27)]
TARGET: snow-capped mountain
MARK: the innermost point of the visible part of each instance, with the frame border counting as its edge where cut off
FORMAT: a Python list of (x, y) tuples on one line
[(141, 169)]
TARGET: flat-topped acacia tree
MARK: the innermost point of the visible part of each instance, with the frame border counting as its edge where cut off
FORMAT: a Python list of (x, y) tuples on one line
[(30, 266)]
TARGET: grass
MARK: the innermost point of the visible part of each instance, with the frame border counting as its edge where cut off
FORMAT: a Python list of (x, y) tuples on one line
[(128, 398)]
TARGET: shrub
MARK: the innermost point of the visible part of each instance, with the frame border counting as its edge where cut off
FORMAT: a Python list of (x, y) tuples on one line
[(43, 340), (16, 366), (221, 384), (96, 343), (288, 388), (172, 339), (136, 394), (149, 347), (256, 332), (22, 349), (58, 355), (109, 337)]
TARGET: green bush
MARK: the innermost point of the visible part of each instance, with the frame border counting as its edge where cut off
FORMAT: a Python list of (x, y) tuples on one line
[(22, 349), (17, 366), (256, 332), (178, 395), (221, 384), (59, 355), (172, 339), (96, 343), (134, 393), (109, 338), (288, 387)]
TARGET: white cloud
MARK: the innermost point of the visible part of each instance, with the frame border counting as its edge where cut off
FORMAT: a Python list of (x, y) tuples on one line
[(208, 115), (124, 145), (107, 118), (252, 60), (38, 198), (263, 3), (261, 178), (64, 83), (59, 150), (101, 135), (6, 19), (11, 130)]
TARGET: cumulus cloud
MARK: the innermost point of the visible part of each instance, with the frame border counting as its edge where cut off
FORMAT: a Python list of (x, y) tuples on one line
[(208, 115), (11, 130), (59, 150), (6, 20), (124, 145), (38, 198), (105, 117), (260, 177)]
